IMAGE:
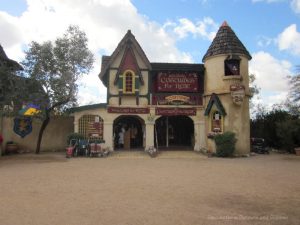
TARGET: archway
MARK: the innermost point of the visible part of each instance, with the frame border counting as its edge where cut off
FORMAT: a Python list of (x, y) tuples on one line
[(129, 129), (174, 132)]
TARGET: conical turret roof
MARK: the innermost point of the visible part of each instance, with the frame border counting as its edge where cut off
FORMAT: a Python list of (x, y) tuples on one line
[(226, 42)]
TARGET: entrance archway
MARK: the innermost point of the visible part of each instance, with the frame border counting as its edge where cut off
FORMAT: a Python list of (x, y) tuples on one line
[(128, 133), (174, 132)]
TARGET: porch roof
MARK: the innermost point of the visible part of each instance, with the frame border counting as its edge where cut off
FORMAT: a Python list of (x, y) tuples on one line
[(87, 107)]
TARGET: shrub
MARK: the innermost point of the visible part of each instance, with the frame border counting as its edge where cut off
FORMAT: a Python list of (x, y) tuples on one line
[(74, 136), (288, 134), (225, 144)]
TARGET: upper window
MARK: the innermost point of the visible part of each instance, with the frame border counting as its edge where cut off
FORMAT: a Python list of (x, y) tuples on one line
[(128, 82), (232, 67)]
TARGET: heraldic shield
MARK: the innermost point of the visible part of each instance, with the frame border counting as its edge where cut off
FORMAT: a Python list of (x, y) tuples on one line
[(23, 126)]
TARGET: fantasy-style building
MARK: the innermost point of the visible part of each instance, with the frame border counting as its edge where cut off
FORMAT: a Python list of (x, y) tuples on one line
[(171, 105)]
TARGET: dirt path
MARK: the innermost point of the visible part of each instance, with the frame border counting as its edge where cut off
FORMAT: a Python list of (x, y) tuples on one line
[(173, 189)]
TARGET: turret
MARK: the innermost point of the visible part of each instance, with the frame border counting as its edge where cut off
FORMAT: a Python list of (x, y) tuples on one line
[(227, 87)]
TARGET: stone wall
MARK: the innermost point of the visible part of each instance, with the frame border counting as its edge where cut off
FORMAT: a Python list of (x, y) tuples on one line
[(54, 138)]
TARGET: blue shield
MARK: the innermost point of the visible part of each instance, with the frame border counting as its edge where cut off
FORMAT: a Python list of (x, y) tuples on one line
[(23, 126)]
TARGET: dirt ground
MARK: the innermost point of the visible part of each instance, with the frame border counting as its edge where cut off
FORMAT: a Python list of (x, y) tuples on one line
[(176, 188)]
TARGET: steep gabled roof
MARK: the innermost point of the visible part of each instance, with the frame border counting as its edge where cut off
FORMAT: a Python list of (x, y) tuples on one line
[(128, 40), (214, 99), (226, 42), (129, 62)]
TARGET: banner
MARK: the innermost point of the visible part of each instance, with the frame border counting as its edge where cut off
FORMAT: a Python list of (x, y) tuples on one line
[(23, 126)]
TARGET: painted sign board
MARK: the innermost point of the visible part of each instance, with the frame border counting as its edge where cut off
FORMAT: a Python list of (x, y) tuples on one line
[(177, 82), (183, 99), (176, 111), (128, 110)]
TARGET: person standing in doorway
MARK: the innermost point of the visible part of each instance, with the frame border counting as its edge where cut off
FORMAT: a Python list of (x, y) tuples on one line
[(121, 138)]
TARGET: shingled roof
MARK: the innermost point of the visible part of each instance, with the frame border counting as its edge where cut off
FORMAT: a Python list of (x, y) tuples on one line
[(226, 42)]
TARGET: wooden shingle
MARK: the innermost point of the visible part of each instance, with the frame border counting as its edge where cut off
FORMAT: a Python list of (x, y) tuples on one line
[(226, 42)]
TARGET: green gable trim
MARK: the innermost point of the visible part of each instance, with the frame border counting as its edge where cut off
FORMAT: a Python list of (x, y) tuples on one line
[(137, 83), (120, 83), (88, 107), (214, 99)]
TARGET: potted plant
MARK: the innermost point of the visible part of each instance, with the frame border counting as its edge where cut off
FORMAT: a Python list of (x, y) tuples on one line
[(11, 147)]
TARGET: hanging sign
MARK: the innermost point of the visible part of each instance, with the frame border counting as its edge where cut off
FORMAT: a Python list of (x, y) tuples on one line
[(23, 126), (187, 99), (178, 99)]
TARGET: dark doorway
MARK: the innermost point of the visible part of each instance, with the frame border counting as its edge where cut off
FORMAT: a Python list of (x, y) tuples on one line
[(128, 133), (174, 132)]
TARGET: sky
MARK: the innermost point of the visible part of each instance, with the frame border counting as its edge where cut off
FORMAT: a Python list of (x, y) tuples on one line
[(168, 31)]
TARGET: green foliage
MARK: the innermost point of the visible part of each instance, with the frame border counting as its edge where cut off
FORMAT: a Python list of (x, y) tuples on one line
[(76, 136), (264, 126), (12, 90), (288, 133), (225, 144), (57, 66), (294, 92), (279, 128), (254, 89)]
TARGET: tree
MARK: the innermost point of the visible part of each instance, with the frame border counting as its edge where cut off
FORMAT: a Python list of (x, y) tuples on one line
[(295, 87), (254, 90), (288, 133), (293, 101), (10, 84), (56, 67), (278, 127)]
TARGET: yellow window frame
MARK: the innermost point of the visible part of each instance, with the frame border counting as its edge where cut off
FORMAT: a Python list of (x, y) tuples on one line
[(132, 82), (211, 121)]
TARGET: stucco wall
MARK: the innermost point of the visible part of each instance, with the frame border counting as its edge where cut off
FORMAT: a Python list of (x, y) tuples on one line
[(215, 79), (54, 138), (237, 119), (109, 119)]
